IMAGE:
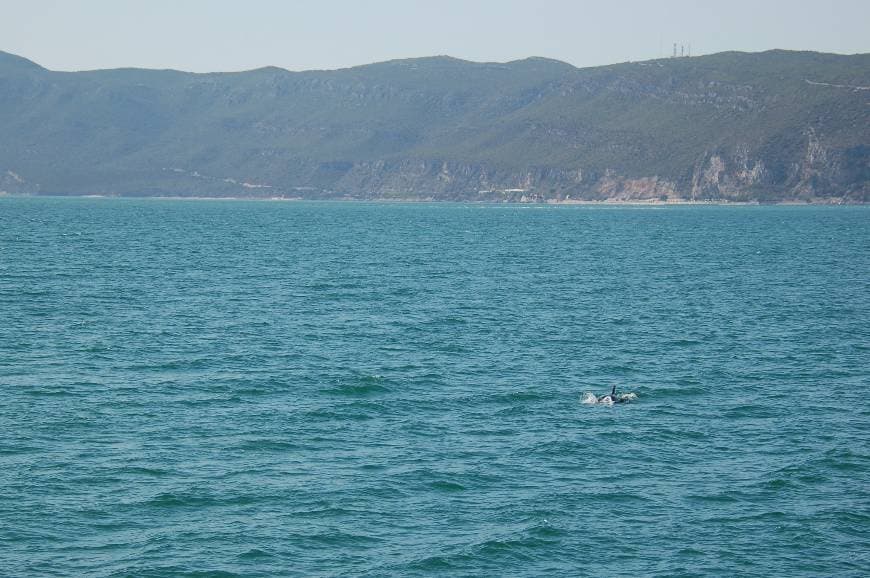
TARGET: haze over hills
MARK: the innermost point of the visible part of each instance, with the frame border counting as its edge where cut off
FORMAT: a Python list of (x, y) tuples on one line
[(731, 126)]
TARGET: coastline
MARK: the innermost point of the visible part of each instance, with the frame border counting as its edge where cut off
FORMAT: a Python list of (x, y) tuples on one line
[(829, 201)]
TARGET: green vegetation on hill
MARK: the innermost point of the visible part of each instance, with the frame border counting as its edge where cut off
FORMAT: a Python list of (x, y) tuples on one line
[(766, 126)]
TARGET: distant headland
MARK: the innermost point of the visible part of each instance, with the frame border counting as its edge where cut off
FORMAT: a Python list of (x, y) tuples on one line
[(730, 127)]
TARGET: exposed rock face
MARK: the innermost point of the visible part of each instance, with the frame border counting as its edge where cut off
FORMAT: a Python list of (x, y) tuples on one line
[(616, 188), (716, 177), (815, 169), (456, 180), (12, 182), (708, 178)]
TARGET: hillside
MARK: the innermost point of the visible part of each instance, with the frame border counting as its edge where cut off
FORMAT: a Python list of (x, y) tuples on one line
[(766, 126)]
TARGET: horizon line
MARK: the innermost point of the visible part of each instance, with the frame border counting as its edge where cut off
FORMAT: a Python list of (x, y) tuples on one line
[(433, 57)]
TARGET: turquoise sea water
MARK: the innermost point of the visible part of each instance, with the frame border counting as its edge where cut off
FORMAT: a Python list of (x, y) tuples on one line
[(207, 388)]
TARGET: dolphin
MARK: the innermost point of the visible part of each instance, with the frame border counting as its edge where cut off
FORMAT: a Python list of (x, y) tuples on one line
[(612, 398)]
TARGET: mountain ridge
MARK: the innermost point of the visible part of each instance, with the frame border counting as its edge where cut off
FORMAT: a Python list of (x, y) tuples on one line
[(777, 125)]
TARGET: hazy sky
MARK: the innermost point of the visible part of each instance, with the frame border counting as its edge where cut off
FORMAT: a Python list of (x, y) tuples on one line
[(209, 35)]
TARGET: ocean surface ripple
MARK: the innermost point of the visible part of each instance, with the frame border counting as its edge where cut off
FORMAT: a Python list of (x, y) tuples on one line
[(233, 388)]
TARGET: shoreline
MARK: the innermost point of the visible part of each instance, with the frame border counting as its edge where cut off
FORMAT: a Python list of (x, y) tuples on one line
[(832, 202)]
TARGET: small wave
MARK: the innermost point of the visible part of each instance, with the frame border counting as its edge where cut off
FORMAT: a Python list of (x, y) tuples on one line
[(727, 497), (174, 365), (267, 445), (254, 553), (546, 531), (9, 451), (171, 500), (751, 411), (50, 392), (363, 388), (433, 563), (446, 486), (145, 471), (510, 402), (341, 538), (770, 516), (494, 552), (680, 392), (177, 500), (518, 396), (358, 410), (684, 342)]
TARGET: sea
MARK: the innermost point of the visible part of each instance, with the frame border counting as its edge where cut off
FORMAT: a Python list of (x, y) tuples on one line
[(261, 388)]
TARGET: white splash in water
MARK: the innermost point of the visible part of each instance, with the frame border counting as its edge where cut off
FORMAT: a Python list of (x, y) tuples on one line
[(592, 399)]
